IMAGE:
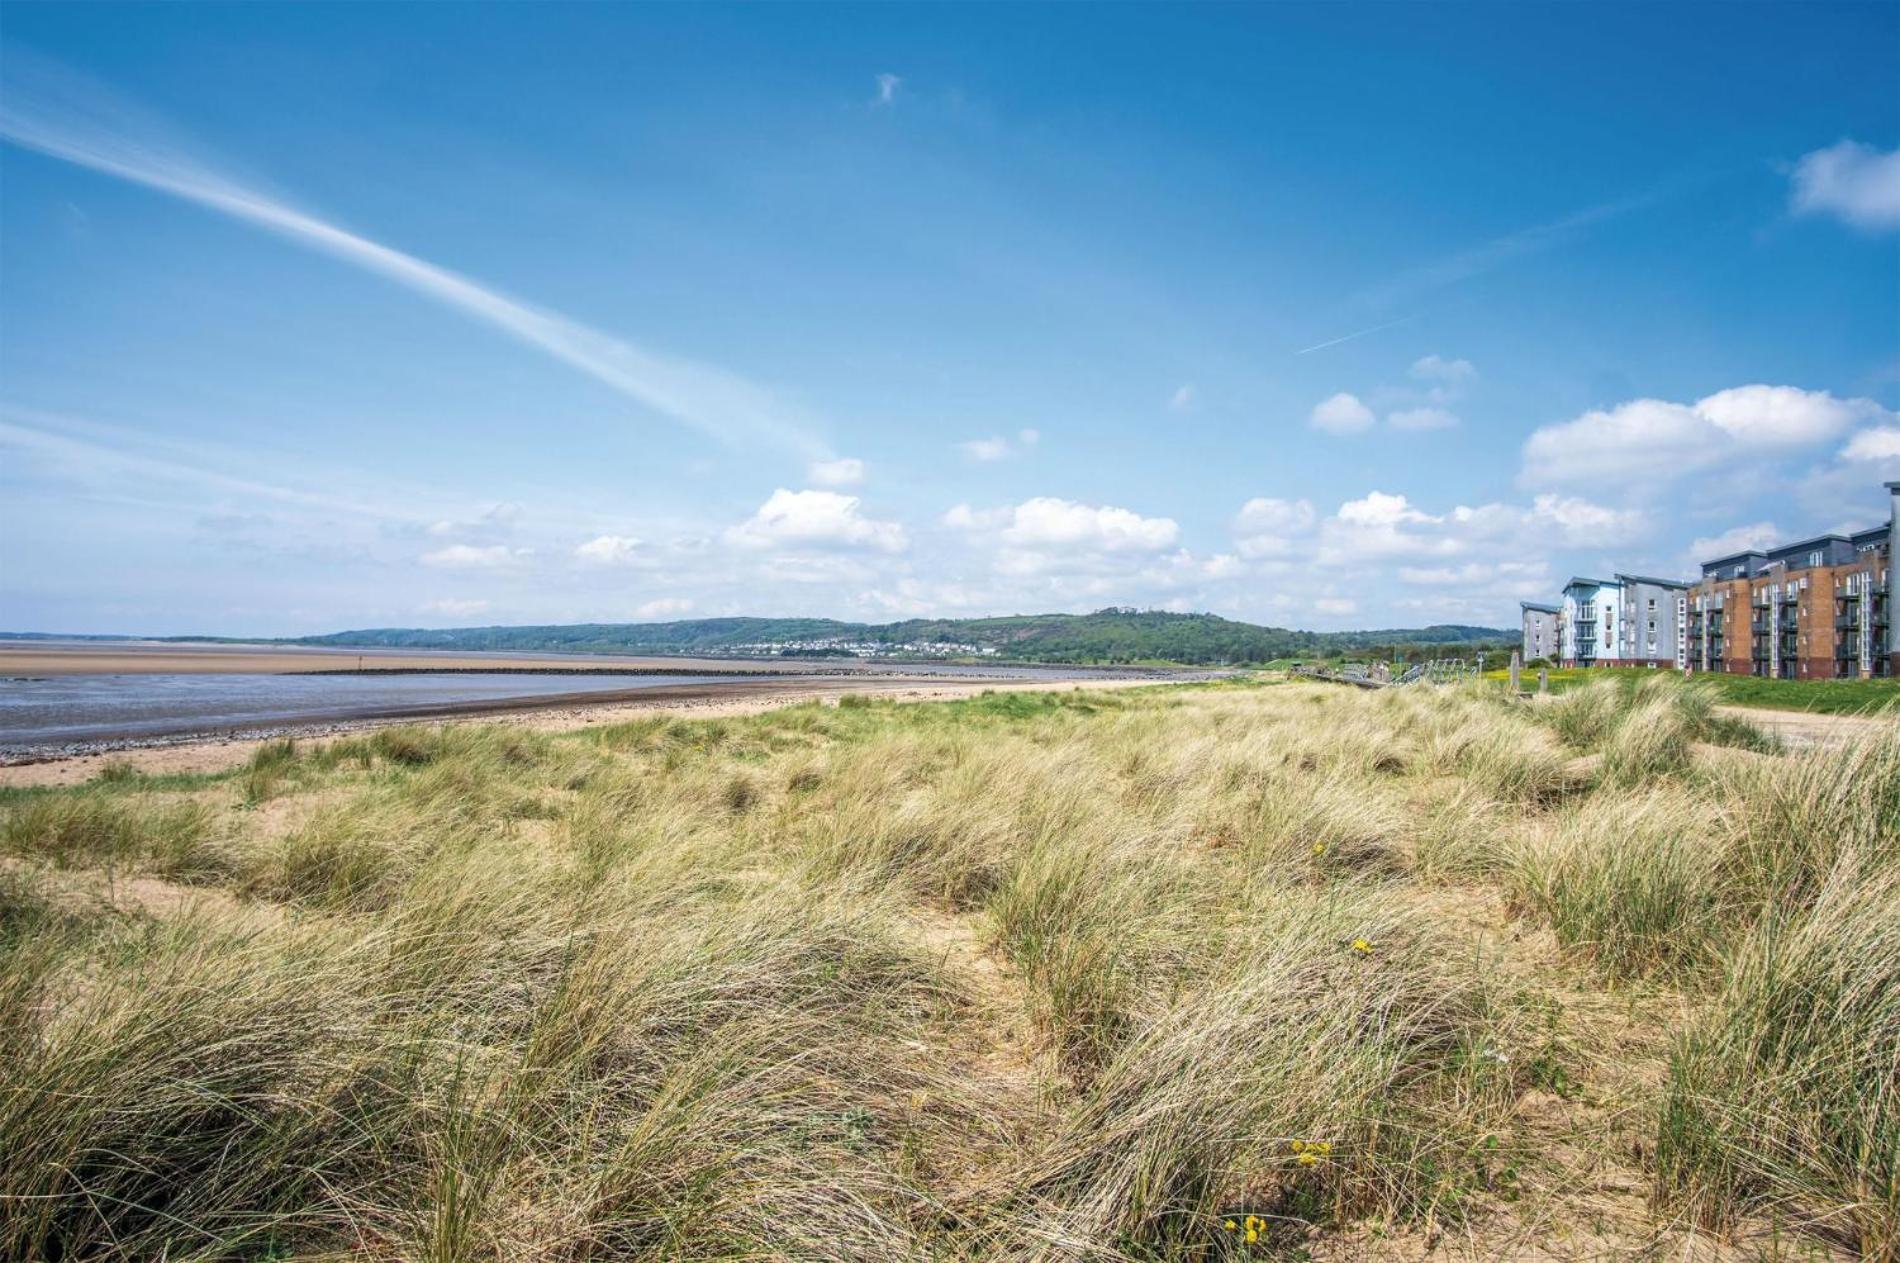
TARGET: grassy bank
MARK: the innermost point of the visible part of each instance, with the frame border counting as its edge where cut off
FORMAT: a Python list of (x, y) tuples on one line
[(1821, 697), (1243, 970)]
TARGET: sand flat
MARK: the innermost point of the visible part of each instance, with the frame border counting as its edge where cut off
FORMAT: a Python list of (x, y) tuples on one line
[(28, 657)]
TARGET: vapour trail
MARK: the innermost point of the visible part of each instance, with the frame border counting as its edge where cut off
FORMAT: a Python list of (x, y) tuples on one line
[(55, 111)]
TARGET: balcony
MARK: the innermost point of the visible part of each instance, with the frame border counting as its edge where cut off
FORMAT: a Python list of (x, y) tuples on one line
[(1845, 622)]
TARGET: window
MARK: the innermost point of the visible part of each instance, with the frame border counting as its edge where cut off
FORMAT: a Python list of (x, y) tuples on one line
[(1814, 559)]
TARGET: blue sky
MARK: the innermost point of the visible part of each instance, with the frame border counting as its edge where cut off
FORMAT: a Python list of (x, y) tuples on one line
[(344, 315)]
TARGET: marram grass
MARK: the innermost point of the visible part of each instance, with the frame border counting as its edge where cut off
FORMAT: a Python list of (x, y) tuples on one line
[(1155, 974)]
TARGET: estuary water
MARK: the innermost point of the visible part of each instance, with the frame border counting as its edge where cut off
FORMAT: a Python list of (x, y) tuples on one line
[(61, 710)]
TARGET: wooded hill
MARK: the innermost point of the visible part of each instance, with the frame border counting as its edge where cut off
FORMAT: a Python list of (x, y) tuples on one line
[(1113, 635)]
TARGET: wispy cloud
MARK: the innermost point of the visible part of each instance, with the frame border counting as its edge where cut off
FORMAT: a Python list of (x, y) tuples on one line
[(1489, 255), (1358, 333), (997, 447), (102, 455), (887, 86), (60, 113)]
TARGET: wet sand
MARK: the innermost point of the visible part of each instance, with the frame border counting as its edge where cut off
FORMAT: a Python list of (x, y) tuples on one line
[(27, 657), (553, 714)]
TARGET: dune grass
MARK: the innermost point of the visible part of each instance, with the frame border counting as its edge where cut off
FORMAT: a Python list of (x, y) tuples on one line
[(1030, 975)]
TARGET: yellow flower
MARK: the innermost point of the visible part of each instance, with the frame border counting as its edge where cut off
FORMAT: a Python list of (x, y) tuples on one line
[(1229, 1225), (1362, 946), (1296, 1145), (1253, 1235), (1309, 1159), (1321, 1147), (1319, 848)]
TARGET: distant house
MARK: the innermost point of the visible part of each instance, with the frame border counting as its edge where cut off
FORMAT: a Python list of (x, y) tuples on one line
[(1542, 630)]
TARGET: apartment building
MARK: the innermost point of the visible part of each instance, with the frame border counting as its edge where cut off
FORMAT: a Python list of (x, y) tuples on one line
[(1625, 621), (1811, 610), (1589, 613), (1543, 633), (1815, 609), (1654, 614)]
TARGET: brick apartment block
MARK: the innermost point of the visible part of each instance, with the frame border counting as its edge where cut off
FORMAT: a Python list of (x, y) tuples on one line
[(1815, 609)]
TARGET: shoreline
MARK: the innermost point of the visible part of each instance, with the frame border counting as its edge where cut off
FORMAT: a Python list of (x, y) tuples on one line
[(215, 750)]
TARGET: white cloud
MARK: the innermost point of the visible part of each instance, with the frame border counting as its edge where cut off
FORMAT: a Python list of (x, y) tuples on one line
[(1856, 182), (816, 519), (1048, 522), (472, 557), (1434, 368), (1266, 527), (662, 608), (1654, 440), (1382, 525), (887, 86), (1047, 536), (1581, 521), (1754, 537), (497, 519), (1882, 443), (1341, 414), (1421, 419), (1335, 605), (1182, 399), (1510, 579), (452, 608), (996, 447), (611, 550), (846, 471)]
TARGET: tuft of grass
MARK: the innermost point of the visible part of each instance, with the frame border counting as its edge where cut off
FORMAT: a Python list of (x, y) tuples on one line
[(1782, 1095), (1630, 881), (94, 829)]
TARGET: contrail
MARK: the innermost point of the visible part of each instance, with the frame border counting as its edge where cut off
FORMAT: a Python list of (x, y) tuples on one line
[(56, 112), (1321, 346)]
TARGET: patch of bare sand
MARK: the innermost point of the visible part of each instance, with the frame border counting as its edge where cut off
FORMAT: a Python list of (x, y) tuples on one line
[(1798, 728), (84, 889), (998, 1051)]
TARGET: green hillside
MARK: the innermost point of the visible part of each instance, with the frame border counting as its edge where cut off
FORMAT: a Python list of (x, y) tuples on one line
[(1106, 636)]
